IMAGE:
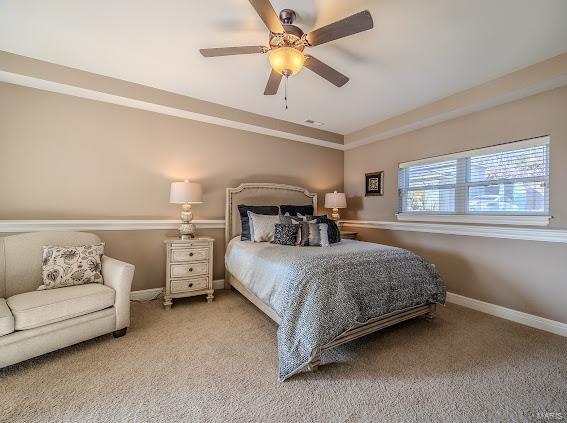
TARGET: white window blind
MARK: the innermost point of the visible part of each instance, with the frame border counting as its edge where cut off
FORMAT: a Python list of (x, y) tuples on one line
[(507, 179)]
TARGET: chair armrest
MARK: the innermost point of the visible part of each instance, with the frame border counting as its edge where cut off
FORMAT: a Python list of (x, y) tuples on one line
[(118, 275)]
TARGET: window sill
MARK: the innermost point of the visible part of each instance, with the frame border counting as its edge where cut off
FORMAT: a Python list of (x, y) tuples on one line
[(472, 218)]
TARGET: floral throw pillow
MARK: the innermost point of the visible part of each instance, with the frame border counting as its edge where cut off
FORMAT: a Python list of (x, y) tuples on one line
[(68, 266)]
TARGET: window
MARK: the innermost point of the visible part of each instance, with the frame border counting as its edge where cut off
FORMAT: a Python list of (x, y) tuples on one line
[(504, 180)]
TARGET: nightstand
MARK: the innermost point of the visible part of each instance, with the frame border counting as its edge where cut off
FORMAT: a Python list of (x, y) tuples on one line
[(349, 235), (189, 269)]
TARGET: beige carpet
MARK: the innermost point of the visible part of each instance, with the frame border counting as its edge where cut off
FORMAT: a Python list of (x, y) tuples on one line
[(217, 362)]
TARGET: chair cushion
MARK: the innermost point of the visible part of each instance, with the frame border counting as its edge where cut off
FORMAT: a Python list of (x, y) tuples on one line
[(6, 318), (38, 308)]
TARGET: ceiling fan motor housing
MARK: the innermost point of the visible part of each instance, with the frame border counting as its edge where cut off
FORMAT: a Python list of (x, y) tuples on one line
[(292, 36), (287, 16)]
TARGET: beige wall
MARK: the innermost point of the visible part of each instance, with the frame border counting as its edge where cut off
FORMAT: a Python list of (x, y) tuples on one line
[(63, 157), (524, 275)]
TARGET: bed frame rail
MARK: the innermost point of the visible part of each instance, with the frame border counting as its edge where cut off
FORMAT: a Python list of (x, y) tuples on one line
[(374, 325)]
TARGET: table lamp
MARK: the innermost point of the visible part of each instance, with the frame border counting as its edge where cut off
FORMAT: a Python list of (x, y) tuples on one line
[(186, 193), (335, 200)]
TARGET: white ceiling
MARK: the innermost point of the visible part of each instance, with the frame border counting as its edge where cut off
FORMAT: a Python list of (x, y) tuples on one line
[(418, 51)]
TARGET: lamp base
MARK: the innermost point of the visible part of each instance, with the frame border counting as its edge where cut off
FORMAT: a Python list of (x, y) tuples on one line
[(186, 229), (335, 215)]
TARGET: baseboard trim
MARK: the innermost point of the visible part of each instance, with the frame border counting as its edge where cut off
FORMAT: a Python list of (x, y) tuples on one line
[(146, 294), (218, 284), (153, 293), (269, 129), (537, 322)]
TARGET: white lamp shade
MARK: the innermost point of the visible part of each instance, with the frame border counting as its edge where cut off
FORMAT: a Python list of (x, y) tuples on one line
[(186, 192), (335, 200)]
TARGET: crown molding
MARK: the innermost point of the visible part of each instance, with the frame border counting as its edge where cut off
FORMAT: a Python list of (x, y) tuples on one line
[(71, 90), (540, 77), (462, 111)]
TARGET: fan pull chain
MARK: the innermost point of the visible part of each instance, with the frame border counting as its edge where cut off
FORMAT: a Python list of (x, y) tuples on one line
[(285, 97)]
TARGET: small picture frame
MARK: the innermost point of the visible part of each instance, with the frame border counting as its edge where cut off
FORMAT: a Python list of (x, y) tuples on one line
[(374, 183)]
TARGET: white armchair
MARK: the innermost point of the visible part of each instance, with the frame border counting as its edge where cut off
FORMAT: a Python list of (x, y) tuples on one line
[(118, 275), (37, 322)]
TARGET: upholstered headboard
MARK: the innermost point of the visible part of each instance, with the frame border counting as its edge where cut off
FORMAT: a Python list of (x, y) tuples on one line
[(260, 194)]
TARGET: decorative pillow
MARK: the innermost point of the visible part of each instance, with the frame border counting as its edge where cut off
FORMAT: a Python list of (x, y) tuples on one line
[(318, 235), (245, 223), (68, 266), (333, 232), (289, 220), (303, 234), (285, 234), (262, 226), (308, 217), (295, 210), (314, 234)]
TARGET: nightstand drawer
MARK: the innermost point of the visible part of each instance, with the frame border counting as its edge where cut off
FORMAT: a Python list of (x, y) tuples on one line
[(189, 269), (185, 270), (190, 244), (193, 284), (189, 254)]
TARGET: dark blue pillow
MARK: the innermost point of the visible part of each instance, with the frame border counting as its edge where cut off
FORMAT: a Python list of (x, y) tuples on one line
[(293, 210), (245, 222), (332, 229)]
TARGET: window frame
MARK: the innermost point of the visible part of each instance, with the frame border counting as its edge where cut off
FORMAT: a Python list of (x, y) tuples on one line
[(463, 183)]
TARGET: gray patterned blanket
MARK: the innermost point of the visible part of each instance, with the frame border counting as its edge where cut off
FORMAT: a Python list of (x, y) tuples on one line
[(321, 292)]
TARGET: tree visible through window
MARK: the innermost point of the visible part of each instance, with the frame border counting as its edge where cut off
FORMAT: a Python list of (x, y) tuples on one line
[(507, 179)]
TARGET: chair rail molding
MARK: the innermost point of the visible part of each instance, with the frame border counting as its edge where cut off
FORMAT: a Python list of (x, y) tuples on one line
[(7, 226), (527, 234)]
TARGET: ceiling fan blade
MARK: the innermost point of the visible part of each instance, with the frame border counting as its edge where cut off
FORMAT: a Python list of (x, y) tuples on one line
[(354, 24), (273, 83), (229, 51), (325, 71), (268, 15)]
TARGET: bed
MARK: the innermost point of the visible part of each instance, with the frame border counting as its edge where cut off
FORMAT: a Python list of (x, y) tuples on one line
[(322, 297)]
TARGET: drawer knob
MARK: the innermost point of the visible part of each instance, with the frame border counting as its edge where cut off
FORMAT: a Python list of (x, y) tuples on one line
[(191, 284), (190, 254), (190, 269)]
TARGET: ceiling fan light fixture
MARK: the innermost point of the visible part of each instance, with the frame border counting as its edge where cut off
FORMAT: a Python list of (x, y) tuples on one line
[(286, 61)]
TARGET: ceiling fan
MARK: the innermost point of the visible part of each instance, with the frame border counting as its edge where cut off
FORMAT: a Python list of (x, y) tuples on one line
[(287, 43)]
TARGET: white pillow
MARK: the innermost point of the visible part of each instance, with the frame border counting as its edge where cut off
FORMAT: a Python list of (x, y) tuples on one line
[(262, 226)]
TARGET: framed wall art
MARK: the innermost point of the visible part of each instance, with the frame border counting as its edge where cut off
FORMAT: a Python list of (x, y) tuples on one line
[(374, 183)]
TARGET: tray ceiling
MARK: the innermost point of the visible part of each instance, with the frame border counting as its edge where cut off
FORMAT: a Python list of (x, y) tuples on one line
[(417, 52)]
